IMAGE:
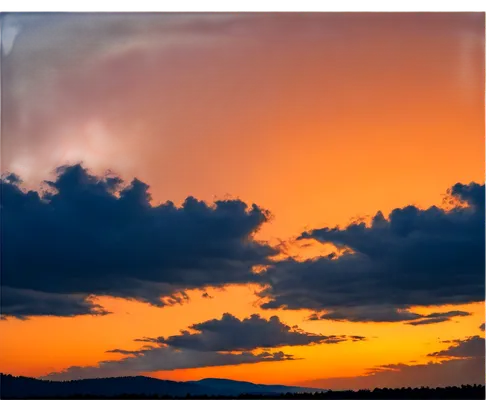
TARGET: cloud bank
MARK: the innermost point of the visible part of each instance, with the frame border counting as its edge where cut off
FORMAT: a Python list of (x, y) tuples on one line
[(164, 359), (232, 334), (216, 342), (415, 257), (84, 235), (95, 235)]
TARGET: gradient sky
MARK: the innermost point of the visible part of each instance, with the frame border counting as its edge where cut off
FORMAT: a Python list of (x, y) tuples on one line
[(323, 119)]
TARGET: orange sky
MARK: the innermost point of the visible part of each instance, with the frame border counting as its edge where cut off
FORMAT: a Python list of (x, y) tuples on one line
[(319, 118)]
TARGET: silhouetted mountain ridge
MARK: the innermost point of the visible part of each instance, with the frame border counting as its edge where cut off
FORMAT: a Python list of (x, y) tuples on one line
[(23, 387)]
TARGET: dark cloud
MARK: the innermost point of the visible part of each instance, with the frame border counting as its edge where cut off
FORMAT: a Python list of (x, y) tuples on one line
[(126, 352), (164, 359), (358, 338), (483, 326), (86, 234), (382, 314), (474, 346), (23, 303), (429, 321), (232, 334), (435, 318), (466, 366), (415, 257)]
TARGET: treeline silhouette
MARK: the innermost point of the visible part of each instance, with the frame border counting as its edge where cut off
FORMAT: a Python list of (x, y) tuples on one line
[(450, 392)]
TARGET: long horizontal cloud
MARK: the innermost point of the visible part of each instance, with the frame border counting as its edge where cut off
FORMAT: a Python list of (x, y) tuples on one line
[(25, 302), (95, 235), (465, 366), (216, 342), (164, 359), (435, 318), (232, 334), (415, 257)]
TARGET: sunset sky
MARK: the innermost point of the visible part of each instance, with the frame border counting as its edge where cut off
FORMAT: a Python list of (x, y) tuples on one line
[(292, 198)]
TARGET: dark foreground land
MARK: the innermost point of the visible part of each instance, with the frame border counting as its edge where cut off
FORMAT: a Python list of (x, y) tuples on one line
[(139, 387), (466, 392)]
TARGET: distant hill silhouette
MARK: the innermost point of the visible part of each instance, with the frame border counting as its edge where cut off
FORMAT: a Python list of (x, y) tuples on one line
[(234, 388), (140, 387), (23, 387)]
